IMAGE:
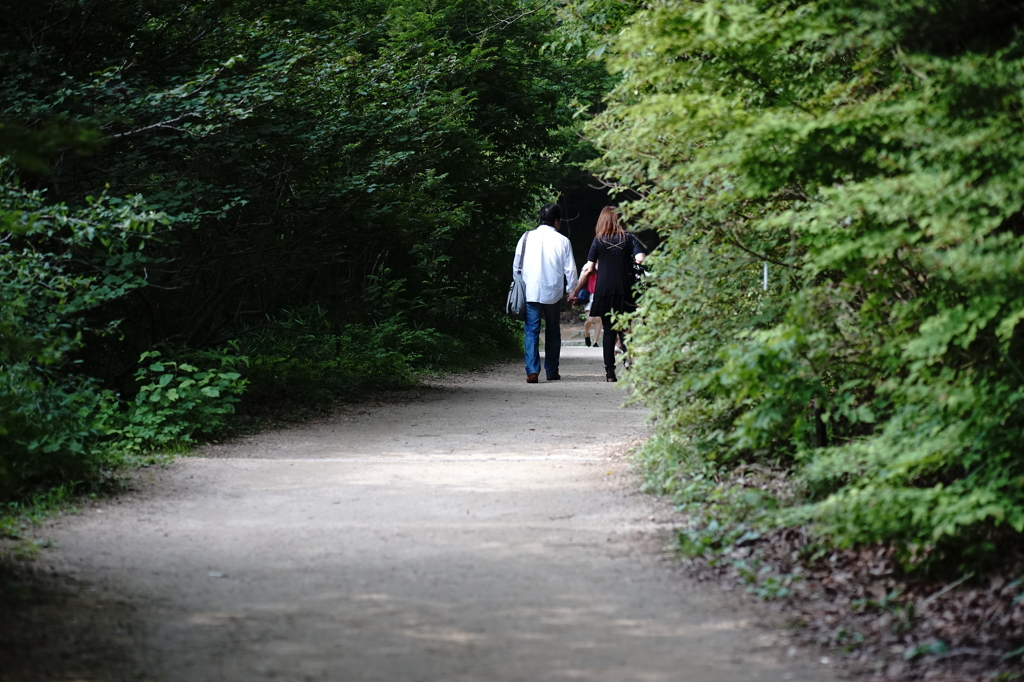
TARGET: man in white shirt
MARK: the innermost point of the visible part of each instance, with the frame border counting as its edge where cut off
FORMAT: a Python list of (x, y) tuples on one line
[(548, 266)]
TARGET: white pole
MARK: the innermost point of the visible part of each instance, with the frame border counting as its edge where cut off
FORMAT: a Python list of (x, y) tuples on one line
[(765, 283)]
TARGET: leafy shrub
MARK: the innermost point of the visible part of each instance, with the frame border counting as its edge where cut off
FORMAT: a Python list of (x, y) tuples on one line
[(303, 357), (52, 428), (178, 401), (57, 266), (869, 154)]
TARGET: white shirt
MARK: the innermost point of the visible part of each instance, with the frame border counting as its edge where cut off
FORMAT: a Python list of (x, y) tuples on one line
[(548, 264)]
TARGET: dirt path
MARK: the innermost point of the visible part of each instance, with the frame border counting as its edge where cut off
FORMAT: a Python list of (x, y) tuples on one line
[(485, 532)]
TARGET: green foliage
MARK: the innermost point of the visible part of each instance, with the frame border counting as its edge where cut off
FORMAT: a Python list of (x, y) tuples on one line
[(58, 267), (935, 647), (869, 153), (306, 148), (51, 428), (17, 516), (723, 512), (303, 357), (59, 264), (62, 268), (189, 172), (590, 26), (178, 401)]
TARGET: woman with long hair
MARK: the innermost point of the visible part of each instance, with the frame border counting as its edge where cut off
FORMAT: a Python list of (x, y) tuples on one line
[(616, 250)]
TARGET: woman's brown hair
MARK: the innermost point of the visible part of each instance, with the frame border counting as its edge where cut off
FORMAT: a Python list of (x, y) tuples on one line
[(608, 226)]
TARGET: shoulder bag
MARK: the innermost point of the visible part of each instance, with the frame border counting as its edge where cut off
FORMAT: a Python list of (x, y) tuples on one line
[(635, 272), (515, 307)]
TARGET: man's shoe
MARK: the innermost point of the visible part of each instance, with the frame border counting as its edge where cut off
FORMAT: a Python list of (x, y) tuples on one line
[(554, 377), (532, 378)]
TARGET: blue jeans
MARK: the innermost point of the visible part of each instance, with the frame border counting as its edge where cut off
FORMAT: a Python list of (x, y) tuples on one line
[(550, 313)]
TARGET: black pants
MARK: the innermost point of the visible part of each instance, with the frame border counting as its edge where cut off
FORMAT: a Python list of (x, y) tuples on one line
[(609, 343)]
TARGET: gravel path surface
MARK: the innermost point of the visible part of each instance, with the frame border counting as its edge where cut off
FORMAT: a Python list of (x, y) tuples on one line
[(485, 531)]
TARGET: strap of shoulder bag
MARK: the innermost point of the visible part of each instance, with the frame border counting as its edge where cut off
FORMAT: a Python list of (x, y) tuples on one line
[(526, 235)]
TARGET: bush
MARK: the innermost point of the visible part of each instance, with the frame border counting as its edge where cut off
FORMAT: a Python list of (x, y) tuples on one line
[(63, 269), (301, 357), (57, 266), (178, 402), (52, 429), (870, 155)]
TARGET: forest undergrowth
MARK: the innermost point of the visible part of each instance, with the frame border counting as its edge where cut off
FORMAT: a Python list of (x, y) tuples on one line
[(859, 607)]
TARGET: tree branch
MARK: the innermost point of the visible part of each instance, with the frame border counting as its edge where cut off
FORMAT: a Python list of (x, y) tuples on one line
[(760, 256), (162, 124)]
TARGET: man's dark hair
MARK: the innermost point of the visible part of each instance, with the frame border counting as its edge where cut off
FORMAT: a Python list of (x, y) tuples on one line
[(549, 213)]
